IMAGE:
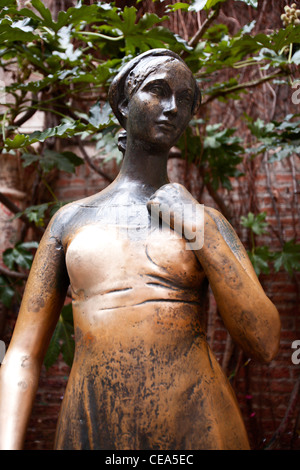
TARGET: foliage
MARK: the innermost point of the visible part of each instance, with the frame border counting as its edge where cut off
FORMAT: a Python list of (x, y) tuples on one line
[(42, 53), (261, 256), (46, 58), (64, 161), (218, 154), (19, 255), (37, 214), (62, 341), (63, 68), (7, 293), (288, 258), (280, 139)]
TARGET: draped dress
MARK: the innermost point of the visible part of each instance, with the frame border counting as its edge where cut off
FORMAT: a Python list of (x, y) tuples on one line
[(143, 375)]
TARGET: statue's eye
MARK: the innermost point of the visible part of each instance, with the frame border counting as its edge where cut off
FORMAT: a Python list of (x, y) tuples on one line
[(157, 89), (185, 98)]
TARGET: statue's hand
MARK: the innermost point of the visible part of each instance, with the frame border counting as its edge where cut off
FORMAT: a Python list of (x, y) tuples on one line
[(176, 207)]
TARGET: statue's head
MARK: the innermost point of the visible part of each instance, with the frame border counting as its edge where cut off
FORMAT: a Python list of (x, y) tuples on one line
[(154, 96)]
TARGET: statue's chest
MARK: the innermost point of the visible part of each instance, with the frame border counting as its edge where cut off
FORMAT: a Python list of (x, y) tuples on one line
[(132, 246)]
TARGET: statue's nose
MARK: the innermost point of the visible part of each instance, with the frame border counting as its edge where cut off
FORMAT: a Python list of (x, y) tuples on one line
[(170, 105)]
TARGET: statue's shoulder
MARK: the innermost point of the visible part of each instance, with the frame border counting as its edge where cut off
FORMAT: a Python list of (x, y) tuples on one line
[(62, 218), (214, 213), (73, 215), (65, 217), (230, 236), (224, 226)]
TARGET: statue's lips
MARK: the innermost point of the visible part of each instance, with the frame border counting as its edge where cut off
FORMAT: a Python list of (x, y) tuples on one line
[(167, 125)]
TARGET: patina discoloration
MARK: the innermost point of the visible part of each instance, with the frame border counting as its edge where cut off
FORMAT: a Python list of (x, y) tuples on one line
[(143, 375)]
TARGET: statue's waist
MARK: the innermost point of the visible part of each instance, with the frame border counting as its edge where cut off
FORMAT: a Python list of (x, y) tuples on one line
[(142, 317), (123, 296)]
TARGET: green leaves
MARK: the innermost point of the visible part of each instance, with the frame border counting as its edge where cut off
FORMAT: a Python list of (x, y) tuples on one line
[(36, 214), (288, 258), (11, 32), (256, 223), (84, 14), (251, 3), (62, 340), (218, 153), (198, 5), (261, 257), (46, 47), (7, 3), (223, 152), (7, 293), (44, 12), (101, 116), (64, 161), (47, 60), (218, 50), (66, 129), (124, 31), (106, 143), (44, 55), (146, 33), (280, 139), (21, 255)]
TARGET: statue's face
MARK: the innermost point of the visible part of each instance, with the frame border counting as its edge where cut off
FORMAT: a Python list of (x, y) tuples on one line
[(159, 111)]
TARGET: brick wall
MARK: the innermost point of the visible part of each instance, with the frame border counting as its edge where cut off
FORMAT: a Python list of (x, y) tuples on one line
[(263, 391)]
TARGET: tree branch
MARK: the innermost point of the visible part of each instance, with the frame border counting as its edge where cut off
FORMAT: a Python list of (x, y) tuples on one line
[(89, 161), (219, 201), (12, 207), (31, 111), (15, 210), (10, 273), (26, 117), (289, 412), (242, 86), (204, 27)]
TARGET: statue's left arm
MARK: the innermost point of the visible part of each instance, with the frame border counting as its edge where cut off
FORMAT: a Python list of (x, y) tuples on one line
[(248, 314)]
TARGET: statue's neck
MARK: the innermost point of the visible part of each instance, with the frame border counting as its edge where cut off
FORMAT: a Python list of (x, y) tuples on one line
[(147, 166)]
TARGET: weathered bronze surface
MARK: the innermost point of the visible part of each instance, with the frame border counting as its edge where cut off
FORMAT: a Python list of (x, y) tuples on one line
[(143, 375)]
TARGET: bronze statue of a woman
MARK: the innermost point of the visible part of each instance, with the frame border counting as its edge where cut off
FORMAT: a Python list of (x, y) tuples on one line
[(143, 375)]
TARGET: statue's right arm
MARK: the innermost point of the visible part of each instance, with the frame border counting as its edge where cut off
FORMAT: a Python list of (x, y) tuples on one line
[(43, 299)]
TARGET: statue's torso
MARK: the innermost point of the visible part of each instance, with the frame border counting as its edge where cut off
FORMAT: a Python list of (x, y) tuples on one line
[(143, 375)]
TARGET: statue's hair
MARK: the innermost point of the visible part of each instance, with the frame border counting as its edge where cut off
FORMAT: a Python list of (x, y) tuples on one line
[(132, 75), (141, 71)]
